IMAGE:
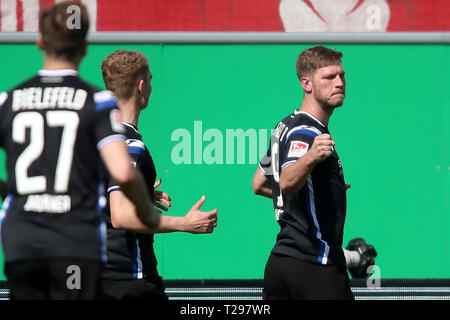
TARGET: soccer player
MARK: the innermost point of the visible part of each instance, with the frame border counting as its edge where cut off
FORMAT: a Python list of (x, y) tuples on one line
[(303, 175), (131, 271), (55, 129)]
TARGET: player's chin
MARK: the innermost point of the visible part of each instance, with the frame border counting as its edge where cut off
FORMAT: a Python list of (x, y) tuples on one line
[(337, 101)]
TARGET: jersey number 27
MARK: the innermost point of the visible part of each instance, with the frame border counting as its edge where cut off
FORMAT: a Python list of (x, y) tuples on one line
[(69, 121)]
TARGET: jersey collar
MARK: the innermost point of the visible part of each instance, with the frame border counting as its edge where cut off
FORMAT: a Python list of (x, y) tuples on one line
[(130, 125), (58, 73), (296, 112)]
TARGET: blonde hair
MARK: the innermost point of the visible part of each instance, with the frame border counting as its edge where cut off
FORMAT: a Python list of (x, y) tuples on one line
[(122, 69), (315, 58)]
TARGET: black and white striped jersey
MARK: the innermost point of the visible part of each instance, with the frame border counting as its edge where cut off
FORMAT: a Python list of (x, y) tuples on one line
[(52, 127), (311, 220), (130, 254)]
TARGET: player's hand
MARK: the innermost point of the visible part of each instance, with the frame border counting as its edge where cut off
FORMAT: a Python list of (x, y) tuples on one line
[(162, 199), (322, 147), (197, 221)]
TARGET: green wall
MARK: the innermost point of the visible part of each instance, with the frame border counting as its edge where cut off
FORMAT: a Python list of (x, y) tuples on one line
[(392, 136)]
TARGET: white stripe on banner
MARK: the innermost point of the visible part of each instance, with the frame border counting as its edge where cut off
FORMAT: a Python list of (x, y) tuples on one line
[(312, 206), (9, 15), (30, 15), (91, 6)]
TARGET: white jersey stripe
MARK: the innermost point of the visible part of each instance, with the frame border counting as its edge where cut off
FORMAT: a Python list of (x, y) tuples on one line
[(109, 139), (129, 125), (104, 96), (58, 73), (324, 257), (139, 274), (113, 188), (288, 163), (135, 143), (261, 169)]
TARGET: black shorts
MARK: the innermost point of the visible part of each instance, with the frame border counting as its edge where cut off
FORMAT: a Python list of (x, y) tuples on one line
[(54, 279), (133, 289), (286, 278)]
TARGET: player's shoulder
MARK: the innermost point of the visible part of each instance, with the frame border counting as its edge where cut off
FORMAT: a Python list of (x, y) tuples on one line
[(133, 140), (301, 125), (304, 122), (29, 82), (102, 99), (131, 131), (135, 146)]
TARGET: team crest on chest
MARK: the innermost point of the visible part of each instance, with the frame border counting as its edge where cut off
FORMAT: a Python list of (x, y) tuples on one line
[(297, 149)]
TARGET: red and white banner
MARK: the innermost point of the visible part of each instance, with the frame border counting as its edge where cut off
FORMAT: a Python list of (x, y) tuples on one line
[(243, 15)]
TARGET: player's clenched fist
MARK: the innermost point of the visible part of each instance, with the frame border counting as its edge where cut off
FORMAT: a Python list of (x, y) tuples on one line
[(322, 147)]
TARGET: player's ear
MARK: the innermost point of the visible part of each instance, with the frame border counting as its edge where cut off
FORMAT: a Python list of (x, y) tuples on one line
[(141, 86), (306, 84)]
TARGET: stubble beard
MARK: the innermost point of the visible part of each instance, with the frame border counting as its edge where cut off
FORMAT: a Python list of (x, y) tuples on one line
[(330, 104)]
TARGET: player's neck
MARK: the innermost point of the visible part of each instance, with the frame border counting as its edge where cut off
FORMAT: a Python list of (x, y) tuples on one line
[(129, 111), (315, 109), (54, 63)]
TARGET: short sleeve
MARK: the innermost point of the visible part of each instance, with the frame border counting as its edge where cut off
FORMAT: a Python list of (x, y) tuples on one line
[(108, 126), (298, 141), (136, 150), (265, 165)]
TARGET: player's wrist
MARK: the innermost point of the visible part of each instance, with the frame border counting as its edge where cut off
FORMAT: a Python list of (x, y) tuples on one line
[(181, 224), (309, 160)]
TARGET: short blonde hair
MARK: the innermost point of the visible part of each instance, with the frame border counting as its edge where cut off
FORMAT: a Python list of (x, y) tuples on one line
[(122, 69), (311, 59)]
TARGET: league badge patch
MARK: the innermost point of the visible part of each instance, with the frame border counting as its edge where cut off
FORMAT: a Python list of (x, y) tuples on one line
[(297, 149)]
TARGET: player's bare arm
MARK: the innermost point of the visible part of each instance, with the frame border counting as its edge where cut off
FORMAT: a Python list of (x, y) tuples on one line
[(118, 162), (124, 216), (294, 176), (261, 184)]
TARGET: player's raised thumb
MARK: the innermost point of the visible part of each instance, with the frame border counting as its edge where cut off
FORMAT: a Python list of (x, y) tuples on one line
[(157, 183), (199, 203)]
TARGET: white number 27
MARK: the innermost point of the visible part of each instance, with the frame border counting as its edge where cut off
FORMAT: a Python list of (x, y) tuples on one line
[(69, 120)]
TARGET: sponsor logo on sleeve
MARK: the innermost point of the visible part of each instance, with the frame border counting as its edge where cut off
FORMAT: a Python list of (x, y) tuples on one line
[(297, 149)]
